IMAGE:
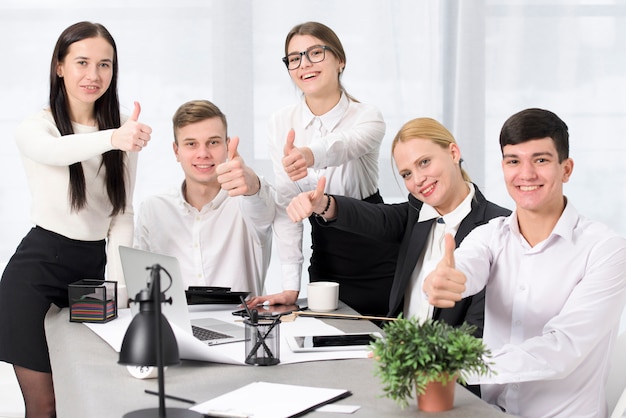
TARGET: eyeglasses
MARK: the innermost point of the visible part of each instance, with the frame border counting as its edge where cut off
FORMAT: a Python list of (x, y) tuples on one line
[(315, 53)]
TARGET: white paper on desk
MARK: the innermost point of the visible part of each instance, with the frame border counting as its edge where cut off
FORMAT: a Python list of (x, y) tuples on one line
[(233, 353), (113, 331), (189, 347), (270, 400)]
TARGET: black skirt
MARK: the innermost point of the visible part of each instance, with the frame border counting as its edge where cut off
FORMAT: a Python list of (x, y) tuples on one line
[(37, 275)]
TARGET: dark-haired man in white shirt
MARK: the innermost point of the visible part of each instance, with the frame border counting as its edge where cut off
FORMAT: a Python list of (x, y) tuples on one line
[(555, 282)]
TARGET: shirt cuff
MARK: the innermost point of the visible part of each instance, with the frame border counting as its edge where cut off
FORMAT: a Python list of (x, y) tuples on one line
[(319, 156), (292, 276)]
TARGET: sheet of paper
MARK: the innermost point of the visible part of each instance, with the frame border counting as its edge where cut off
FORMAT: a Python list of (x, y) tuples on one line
[(339, 409), (269, 400), (233, 353)]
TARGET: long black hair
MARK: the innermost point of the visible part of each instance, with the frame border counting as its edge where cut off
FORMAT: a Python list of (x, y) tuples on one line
[(107, 113)]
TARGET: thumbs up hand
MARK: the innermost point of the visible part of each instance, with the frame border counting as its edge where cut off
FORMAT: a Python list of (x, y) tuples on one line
[(296, 160), (132, 135), (445, 285), (307, 203), (235, 176)]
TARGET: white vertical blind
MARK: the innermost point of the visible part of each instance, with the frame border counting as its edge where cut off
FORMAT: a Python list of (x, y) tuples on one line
[(469, 64)]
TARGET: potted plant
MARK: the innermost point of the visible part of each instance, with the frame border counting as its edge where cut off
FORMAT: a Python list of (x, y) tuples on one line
[(414, 355)]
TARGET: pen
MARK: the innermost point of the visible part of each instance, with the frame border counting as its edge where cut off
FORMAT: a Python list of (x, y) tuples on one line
[(175, 398)]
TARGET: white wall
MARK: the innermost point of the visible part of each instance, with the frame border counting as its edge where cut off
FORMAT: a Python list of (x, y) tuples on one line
[(566, 56)]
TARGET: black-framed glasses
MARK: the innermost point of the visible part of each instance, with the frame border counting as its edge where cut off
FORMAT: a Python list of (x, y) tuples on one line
[(315, 53)]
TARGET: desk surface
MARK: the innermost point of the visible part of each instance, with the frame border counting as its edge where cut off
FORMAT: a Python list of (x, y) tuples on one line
[(88, 382)]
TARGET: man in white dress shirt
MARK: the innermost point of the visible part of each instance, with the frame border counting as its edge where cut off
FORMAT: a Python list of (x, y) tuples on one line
[(218, 222), (555, 282)]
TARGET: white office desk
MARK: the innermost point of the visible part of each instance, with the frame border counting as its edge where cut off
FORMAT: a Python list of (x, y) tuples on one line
[(88, 382)]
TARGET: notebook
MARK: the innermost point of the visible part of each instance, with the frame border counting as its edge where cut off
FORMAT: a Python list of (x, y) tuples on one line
[(136, 268)]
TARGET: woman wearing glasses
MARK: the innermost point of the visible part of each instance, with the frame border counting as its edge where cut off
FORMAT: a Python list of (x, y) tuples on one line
[(328, 133)]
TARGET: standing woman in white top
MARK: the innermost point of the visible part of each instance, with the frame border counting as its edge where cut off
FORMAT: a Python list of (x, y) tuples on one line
[(328, 133), (80, 162)]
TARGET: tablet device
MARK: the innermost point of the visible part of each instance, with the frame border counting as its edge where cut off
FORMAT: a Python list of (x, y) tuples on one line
[(339, 342)]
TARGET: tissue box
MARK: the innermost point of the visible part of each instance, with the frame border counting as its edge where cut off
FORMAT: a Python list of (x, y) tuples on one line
[(93, 300)]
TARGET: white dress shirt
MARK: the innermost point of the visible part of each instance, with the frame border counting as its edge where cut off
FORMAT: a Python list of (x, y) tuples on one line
[(227, 243), (552, 313), (46, 155), (414, 302), (345, 143)]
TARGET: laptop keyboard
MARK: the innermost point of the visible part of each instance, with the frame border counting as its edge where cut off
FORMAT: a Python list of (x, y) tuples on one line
[(204, 334)]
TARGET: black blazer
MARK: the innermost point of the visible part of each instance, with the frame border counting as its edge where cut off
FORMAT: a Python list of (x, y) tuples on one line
[(398, 223)]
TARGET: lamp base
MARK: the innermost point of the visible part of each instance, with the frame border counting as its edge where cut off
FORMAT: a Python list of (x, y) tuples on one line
[(169, 413)]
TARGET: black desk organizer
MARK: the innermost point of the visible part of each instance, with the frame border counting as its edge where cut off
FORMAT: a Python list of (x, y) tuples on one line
[(93, 300)]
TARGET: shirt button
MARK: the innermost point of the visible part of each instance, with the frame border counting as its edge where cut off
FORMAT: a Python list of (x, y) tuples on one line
[(518, 323)]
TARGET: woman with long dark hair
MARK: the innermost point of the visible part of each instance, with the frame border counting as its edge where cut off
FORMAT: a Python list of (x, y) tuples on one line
[(80, 162)]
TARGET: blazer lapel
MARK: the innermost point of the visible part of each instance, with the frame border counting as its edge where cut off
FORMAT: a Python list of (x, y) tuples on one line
[(414, 248)]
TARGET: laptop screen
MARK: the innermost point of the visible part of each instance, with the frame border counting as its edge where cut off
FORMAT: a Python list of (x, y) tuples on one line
[(136, 265)]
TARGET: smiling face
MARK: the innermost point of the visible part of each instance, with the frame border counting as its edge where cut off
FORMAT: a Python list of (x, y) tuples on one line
[(534, 176), (431, 173), (201, 147), (87, 71), (318, 79)]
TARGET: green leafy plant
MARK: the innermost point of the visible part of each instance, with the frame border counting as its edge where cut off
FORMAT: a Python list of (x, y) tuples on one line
[(412, 354)]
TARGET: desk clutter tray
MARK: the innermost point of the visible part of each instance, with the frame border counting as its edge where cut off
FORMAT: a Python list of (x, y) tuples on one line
[(93, 300), (203, 295)]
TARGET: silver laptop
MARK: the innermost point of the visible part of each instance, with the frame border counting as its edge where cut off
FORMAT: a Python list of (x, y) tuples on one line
[(136, 267)]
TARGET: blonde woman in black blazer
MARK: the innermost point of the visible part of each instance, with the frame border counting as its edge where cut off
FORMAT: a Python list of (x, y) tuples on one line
[(429, 161)]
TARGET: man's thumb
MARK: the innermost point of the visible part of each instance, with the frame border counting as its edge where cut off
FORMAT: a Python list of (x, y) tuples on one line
[(232, 148)]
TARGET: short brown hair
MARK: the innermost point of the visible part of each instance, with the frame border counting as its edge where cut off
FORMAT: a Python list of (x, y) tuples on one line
[(196, 111)]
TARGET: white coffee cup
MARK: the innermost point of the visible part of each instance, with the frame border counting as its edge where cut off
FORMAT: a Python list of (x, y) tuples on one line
[(323, 296)]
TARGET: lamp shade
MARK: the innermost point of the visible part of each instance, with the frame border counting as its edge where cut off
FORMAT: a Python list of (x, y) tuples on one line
[(150, 341), (139, 346)]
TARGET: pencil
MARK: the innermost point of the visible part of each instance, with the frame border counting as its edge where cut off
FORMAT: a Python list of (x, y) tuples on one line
[(175, 398)]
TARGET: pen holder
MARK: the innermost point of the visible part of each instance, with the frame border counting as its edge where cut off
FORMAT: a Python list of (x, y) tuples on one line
[(92, 300), (262, 342)]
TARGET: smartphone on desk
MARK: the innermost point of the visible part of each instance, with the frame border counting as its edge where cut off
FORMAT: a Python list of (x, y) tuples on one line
[(270, 310)]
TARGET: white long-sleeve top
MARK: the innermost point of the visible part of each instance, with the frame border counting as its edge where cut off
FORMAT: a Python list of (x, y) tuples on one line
[(227, 243), (552, 313), (345, 143), (46, 156)]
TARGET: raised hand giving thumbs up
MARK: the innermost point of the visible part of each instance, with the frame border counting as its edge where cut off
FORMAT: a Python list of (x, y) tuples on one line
[(235, 176), (132, 135), (296, 160), (445, 285), (314, 201)]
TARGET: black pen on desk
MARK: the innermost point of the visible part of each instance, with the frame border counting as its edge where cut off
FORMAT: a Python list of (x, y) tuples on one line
[(174, 398)]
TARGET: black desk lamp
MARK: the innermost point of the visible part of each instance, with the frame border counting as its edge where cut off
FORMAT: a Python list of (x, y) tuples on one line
[(150, 341)]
